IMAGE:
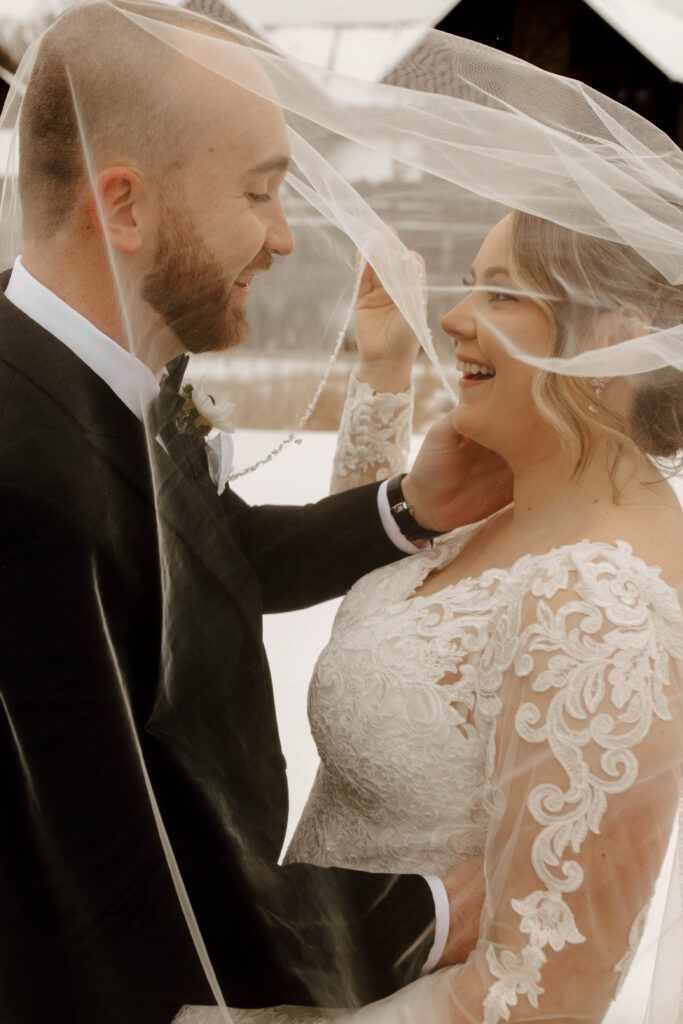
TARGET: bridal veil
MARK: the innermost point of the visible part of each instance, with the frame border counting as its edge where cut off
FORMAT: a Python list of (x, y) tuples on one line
[(455, 137)]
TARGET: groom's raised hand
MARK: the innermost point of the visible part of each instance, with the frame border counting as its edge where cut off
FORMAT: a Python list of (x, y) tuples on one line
[(454, 480)]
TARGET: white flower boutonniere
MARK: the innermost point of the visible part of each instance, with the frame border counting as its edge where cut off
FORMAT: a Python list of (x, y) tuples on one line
[(201, 413), (212, 420)]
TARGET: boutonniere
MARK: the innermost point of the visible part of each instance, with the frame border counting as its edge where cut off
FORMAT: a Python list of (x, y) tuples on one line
[(201, 413)]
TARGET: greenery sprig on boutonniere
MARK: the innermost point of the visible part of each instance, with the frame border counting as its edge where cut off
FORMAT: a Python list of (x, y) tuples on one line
[(190, 420), (201, 413)]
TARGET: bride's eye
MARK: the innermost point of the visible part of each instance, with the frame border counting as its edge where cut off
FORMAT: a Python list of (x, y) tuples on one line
[(258, 197), (501, 296)]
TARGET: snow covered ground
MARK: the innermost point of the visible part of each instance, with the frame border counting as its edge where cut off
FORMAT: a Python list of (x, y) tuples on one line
[(298, 474)]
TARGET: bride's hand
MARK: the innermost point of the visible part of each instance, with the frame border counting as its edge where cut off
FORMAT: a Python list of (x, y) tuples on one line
[(387, 345), (454, 480)]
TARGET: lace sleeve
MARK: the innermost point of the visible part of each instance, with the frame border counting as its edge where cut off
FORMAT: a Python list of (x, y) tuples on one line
[(585, 779), (584, 785), (374, 436), (578, 700)]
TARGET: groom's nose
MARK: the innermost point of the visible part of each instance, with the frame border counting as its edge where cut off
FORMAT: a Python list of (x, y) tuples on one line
[(279, 238)]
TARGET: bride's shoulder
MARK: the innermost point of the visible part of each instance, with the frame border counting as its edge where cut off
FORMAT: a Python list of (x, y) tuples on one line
[(632, 559), (651, 533)]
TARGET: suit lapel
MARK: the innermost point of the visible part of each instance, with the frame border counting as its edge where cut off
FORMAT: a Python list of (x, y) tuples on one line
[(120, 438), (195, 513)]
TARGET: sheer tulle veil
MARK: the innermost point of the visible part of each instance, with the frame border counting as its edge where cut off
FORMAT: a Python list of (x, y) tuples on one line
[(457, 136)]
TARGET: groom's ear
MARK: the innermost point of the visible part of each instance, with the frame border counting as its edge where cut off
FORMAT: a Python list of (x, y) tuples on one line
[(118, 207)]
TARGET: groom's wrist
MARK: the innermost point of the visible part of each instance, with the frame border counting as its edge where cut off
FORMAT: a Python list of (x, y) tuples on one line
[(403, 510), (391, 527)]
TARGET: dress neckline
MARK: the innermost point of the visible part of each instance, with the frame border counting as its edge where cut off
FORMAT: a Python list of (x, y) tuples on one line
[(462, 535)]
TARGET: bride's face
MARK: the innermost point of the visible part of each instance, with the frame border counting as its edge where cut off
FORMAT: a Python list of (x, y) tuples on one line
[(495, 406)]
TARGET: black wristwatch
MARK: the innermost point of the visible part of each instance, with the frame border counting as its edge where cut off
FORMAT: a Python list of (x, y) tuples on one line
[(403, 513)]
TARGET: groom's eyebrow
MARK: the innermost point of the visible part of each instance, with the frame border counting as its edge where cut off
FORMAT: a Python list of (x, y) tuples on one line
[(276, 163)]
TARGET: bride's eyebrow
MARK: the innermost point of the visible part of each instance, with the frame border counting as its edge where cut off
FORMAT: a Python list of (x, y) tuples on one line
[(489, 274)]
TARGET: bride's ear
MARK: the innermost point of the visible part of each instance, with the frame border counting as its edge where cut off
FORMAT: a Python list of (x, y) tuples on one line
[(624, 323)]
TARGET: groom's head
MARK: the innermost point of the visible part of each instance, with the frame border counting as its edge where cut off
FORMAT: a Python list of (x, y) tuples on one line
[(172, 169)]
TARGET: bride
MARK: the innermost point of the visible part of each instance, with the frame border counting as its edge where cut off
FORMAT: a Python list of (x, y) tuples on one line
[(514, 689)]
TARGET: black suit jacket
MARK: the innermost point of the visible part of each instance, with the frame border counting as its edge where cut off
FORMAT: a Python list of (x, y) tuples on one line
[(103, 670)]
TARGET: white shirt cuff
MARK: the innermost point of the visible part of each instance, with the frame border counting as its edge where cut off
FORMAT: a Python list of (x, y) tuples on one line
[(389, 523), (443, 920)]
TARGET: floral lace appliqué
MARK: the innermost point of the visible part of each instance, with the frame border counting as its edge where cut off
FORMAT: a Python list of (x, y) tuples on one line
[(374, 434)]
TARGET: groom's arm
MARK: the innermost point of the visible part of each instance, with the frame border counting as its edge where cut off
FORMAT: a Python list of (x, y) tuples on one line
[(307, 935), (307, 554), (311, 553)]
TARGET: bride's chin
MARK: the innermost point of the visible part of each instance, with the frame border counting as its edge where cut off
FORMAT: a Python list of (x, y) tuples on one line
[(472, 426)]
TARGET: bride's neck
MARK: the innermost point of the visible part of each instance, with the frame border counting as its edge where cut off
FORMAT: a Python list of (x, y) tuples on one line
[(549, 487)]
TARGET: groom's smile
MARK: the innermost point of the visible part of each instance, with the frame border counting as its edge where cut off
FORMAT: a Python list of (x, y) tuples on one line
[(242, 286)]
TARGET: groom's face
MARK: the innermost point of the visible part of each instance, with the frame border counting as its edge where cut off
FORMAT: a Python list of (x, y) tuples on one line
[(220, 221)]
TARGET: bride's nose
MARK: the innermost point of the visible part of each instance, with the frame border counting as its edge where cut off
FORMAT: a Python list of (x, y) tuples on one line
[(458, 321)]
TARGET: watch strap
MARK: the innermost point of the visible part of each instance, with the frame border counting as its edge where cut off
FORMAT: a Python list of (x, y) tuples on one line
[(403, 513)]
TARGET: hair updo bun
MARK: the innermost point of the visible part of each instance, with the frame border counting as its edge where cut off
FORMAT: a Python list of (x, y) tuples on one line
[(657, 417)]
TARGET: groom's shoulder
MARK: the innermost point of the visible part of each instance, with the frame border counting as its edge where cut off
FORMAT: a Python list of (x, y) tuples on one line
[(53, 411), (42, 381), (29, 406), (30, 359)]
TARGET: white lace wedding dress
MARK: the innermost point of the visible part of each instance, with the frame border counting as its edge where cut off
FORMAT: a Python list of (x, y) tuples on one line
[(530, 713)]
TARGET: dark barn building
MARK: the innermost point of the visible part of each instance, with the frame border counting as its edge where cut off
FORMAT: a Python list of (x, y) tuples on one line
[(569, 38)]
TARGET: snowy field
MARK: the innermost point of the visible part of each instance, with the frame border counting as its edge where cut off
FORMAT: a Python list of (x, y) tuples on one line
[(299, 474)]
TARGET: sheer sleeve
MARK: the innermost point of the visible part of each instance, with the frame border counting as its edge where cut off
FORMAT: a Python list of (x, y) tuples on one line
[(578, 699), (584, 787), (374, 436)]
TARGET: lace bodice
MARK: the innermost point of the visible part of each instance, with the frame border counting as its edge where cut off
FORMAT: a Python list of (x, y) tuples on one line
[(401, 779)]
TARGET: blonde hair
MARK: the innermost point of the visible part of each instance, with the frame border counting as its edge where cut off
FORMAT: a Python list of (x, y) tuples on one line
[(582, 278)]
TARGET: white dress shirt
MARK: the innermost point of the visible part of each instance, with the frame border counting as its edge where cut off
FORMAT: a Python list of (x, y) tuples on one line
[(137, 387), (128, 377)]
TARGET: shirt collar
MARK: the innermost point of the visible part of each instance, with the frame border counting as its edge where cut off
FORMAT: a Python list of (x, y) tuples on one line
[(128, 377)]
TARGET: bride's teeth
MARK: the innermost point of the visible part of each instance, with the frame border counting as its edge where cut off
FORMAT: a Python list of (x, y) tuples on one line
[(475, 368)]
